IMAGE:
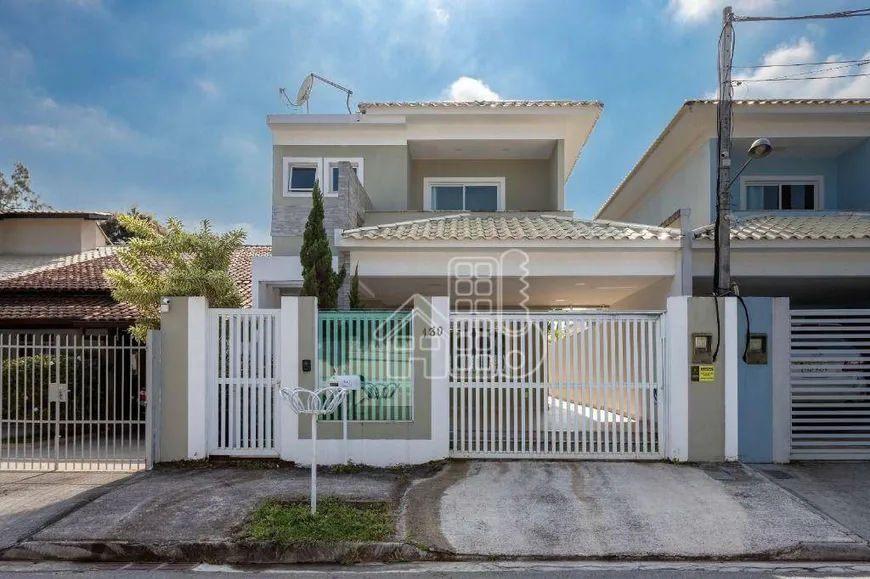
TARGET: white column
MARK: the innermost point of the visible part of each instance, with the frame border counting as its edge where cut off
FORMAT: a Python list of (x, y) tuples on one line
[(198, 403), (440, 382), (287, 426), (733, 352), (779, 349), (677, 385)]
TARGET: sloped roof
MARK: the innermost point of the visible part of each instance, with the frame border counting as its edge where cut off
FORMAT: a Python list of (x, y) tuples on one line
[(469, 227), (363, 107), (743, 105), (65, 308), (57, 213), (74, 288), (783, 102), (17, 265), (829, 226)]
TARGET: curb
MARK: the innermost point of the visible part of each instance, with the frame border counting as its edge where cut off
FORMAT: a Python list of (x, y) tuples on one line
[(216, 551), (255, 553)]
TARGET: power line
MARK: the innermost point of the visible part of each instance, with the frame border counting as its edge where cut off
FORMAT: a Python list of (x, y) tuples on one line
[(806, 72), (857, 61), (828, 16), (739, 82)]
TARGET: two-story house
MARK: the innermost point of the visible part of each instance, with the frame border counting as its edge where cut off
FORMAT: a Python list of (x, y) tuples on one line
[(445, 198), (801, 216)]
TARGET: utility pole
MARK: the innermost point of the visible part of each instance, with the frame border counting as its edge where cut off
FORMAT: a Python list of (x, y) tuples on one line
[(722, 236)]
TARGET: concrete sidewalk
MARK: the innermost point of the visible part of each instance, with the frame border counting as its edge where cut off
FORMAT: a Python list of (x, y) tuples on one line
[(190, 505), (837, 489), (634, 510), (557, 510), (30, 501)]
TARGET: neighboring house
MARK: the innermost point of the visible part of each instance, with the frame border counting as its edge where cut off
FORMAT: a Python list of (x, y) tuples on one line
[(433, 197), (801, 216), (51, 273)]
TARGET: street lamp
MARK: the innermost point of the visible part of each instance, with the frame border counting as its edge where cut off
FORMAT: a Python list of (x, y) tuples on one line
[(759, 149)]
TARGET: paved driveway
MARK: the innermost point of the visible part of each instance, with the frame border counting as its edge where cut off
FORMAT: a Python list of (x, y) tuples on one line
[(841, 490), (31, 500), (593, 509)]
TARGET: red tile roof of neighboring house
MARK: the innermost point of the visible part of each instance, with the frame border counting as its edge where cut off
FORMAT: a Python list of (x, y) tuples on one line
[(64, 308), (76, 289)]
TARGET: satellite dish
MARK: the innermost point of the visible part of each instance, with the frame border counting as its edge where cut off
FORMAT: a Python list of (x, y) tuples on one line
[(304, 94), (305, 90)]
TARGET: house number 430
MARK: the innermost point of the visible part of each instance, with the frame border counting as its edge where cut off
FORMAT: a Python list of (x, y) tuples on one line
[(433, 331)]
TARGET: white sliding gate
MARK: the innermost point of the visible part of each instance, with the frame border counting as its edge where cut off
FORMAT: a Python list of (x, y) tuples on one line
[(243, 381), (830, 384), (71, 401), (557, 385)]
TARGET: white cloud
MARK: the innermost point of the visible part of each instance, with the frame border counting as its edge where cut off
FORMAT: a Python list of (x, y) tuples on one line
[(696, 11), (208, 88), (466, 88), (51, 125), (758, 85), (213, 42)]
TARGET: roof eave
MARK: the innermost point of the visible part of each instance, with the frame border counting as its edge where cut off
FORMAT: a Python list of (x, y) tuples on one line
[(544, 244)]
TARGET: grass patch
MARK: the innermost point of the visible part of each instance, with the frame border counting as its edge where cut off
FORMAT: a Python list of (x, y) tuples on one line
[(337, 520)]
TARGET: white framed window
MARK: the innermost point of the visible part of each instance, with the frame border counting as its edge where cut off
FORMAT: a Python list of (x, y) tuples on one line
[(331, 165), (790, 193), (463, 193), (300, 174)]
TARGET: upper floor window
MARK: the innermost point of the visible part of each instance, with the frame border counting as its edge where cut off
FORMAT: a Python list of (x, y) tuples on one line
[(781, 193), (332, 172), (463, 193), (300, 174)]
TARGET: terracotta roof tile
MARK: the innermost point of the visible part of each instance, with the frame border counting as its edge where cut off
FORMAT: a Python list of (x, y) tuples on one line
[(806, 226), (63, 282), (18, 265), (466, 227), (64, 308)]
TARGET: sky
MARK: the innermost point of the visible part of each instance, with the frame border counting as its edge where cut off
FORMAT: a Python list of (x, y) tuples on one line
[(162, 103)]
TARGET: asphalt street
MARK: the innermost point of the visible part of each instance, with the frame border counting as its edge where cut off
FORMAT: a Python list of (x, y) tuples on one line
[(482, 570)]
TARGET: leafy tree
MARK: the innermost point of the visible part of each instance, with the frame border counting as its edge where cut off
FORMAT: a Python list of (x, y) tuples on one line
[(354, 297), (16, 195), (318, 278), (120, 235), (173, 262)]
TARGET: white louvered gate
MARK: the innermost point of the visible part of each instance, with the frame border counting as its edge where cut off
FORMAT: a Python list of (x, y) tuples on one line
[(830, 384), (243, 381), (557, 385)]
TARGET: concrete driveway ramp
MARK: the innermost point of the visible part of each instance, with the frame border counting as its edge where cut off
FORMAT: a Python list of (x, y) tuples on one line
[(598, 509)]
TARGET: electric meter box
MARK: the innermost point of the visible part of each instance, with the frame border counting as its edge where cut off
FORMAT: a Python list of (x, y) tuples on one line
[(347, 381)]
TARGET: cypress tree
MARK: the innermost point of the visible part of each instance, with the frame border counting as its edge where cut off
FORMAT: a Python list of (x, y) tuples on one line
[(318, 278)]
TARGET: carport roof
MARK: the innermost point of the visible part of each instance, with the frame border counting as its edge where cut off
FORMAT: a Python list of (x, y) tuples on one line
[(803, 226), (470, 227)]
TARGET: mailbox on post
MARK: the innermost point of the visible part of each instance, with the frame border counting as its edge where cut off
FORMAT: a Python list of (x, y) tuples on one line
[(347, 381)]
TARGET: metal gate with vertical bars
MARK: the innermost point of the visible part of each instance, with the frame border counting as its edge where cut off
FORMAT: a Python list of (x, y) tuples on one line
[(556, 385), (830, 384), (243, 350), (72, 402)]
